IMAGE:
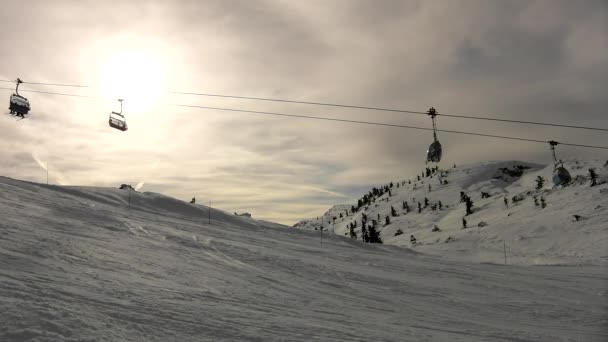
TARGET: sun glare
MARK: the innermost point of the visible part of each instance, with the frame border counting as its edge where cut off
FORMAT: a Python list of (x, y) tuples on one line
[(138, 77)]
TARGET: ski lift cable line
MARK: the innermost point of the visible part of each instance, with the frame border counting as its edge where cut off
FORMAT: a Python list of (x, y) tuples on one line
[(392, 110), (50, 84), (333, 105), (47, 92), (383, 124)]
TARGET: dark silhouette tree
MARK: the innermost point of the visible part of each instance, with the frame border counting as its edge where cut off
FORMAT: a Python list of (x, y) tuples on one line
[(387, 220), (440, 205), (373, 234), (419, 208), (464, 222), (469, 204), (540, 182), (426, 202), (593, 177), (393, 211), (543, 204)]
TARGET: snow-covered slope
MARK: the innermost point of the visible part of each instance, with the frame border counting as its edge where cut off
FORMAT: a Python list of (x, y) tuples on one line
[(327, 220), (526, 233), (77, 264)]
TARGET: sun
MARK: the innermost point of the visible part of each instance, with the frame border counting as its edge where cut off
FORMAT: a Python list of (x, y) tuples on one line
[(136, 76)]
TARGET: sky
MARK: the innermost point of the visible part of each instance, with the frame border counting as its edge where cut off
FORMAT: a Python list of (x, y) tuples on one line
[(523, 60)]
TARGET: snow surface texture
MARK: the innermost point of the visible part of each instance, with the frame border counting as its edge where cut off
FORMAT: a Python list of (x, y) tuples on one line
[(530, 234), (76, 264)]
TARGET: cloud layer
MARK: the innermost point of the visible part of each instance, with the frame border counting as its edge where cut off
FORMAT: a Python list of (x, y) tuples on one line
[(534, 60)]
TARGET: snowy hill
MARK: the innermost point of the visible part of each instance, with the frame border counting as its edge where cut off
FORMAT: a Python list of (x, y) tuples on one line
[(526, 233), (98, 264), (327, 220)]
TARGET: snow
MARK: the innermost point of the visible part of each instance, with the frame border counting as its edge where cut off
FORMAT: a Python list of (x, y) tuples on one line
[(528, 234), (82, 264)]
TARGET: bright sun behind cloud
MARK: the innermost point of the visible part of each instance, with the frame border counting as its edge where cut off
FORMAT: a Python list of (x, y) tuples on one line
[(136, 76)]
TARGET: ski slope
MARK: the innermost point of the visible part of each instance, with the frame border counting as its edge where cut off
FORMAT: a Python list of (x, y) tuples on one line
[(526, 233), (81, 264)]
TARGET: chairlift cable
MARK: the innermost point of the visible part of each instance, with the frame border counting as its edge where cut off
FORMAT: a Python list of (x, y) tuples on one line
[(382, 124), (326, 104)]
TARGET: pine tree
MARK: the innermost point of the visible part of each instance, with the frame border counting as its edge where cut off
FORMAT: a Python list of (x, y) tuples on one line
[(469, 204), (393, 211), (543, 204), (352, 233), (419, 208), (593, 177), (464, 222), (535, 201), (364, 233), (390, 193), (426, 202), (440, 205), (429, 187), (540, 182), (387, 220), (373, 234)]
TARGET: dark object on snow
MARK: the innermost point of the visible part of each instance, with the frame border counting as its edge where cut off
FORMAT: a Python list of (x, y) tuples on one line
[(449, 239), (593, 177), (412, 240), (506, 202), (464, 223), (126, 186), (435, 229), (517, 198), (482, 224), (485, 195), (398, 232), (577, 217), (193, 200)]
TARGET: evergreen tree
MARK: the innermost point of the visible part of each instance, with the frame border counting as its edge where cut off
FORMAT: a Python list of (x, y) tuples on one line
[(464, 222), (393, 211), (373, 235), (364, 233), (352, 209), (419, 208), (352, 233), (540, 182), (535, 201), (387, 220), (390, 193), (429, 187), (543, 204), (426, 202), (469, 204), (440, 205), (593, 177)]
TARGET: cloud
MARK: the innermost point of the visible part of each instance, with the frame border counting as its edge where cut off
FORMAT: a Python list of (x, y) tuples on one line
[(535, 60)]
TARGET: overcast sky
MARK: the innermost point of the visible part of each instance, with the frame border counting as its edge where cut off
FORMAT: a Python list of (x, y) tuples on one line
[(533, 60)]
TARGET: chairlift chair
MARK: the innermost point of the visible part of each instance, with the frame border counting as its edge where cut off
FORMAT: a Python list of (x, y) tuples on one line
[(561, 176), (18, 104), (433, 154), (117, 120)]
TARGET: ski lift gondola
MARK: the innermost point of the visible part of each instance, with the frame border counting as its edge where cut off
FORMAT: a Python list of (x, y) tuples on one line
[(18, 105), (561, 176), (433, 154), (117, 120)]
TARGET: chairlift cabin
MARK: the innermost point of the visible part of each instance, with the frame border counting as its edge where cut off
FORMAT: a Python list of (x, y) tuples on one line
[(433, 154), (117, 120), (18, 105), (561, 176)]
